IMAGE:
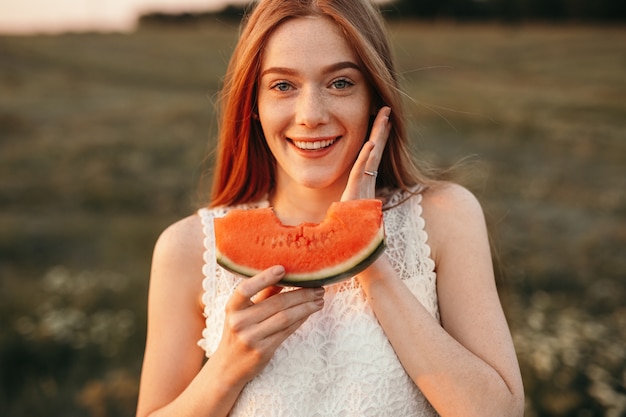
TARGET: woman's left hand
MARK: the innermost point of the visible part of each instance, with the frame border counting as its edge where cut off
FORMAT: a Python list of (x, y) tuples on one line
[(362, 179)]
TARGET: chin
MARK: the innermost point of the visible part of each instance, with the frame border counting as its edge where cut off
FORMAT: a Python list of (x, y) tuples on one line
[(328, 184)]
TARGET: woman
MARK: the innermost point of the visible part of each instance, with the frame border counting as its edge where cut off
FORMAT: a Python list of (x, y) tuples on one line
[(310, 112)]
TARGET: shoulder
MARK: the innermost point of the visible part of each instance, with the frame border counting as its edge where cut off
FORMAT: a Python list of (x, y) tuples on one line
[(176, 274), (446, 198), (178, 252), (452, 214), (183, 237)]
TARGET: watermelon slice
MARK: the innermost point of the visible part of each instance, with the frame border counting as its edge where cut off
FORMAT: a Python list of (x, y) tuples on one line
[(348, 240)]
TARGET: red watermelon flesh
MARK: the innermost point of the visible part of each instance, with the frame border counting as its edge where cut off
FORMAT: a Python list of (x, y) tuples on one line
[(347, 241)]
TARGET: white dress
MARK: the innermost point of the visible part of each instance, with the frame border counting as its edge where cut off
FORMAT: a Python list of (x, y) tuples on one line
[(339, 362)]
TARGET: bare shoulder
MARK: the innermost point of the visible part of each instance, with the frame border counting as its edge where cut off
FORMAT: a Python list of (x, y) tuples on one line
[(185, 234), (180, 247), (451, 212), (446, 198), (183, 237)]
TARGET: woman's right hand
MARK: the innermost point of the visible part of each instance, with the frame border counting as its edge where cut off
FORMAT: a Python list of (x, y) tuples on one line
[(259, 317)]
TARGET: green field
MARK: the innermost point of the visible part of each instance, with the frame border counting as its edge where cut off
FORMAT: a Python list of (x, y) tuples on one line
[(106, 139)]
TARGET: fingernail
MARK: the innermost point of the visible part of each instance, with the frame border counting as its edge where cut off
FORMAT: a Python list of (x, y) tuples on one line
[(320, 291), (319, 302), (278, 270)]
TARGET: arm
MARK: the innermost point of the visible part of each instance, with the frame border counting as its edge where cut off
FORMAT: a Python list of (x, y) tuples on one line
[(468, 367), (172, 359), (174, 381)]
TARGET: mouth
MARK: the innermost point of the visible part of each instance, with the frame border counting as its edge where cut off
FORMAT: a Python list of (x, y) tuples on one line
[(314, 145)]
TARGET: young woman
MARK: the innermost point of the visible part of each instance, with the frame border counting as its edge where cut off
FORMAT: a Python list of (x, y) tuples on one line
[(311, 114)]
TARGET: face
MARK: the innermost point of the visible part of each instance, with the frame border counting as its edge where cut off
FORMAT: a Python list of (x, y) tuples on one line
[(314, 103)]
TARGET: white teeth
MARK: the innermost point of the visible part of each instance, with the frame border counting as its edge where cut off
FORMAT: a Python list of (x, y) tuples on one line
[(314, 145)]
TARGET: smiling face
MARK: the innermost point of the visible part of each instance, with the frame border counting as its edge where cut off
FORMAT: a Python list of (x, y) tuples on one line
[(314, 104)]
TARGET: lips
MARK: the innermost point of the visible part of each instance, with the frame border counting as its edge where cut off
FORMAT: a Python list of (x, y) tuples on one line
[(313, 145)]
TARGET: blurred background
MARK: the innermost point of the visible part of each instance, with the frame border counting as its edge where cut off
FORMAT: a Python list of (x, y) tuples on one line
[(107, 128)]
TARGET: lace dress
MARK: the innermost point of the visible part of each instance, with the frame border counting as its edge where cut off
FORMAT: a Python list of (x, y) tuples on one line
[(339, 362)]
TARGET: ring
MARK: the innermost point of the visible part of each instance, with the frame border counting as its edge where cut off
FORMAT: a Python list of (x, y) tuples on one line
[(371, 173)]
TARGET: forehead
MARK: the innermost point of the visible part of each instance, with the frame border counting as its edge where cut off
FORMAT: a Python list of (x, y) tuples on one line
[(307, 41)]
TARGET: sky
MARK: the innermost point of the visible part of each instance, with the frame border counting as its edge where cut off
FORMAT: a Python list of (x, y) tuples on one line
[(55, 16)]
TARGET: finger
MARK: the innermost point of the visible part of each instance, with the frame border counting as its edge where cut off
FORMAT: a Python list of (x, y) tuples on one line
[(289, 299), (356, 174), (362, 178), (274, 340), (287, 306), (288, 311), (354, 186), (266, 293), (358, 183), (372, 151), (249, 287), (379, 135)]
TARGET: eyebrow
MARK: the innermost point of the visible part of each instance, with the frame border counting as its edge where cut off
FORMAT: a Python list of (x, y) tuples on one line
[(329, 69)]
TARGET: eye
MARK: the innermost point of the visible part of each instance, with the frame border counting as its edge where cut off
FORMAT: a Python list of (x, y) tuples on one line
[(283, 86), (341, 83)]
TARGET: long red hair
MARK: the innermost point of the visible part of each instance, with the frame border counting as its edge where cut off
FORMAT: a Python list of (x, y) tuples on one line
[(244, 170)]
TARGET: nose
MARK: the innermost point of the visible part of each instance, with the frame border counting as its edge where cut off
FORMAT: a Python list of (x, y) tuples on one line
[(311, 109)]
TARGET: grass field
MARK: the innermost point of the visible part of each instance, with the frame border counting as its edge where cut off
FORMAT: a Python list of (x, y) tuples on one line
[(106, 139)]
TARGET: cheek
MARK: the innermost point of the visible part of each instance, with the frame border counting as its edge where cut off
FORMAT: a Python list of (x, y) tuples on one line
[(267, 116), (360, 115), (270, 123), (274, 117), (361, 124)]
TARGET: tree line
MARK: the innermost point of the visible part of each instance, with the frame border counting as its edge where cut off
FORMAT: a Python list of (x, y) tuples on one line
[(509, 10), (502, 10)]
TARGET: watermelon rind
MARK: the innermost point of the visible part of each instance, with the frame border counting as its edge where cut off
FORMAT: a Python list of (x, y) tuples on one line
[(310, 281)]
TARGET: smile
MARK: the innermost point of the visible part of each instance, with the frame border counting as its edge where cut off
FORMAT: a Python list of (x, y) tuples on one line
[(314, 145)]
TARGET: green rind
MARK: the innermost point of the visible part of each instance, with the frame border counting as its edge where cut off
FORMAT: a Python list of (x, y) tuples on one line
[(318, 282), (312, 281)]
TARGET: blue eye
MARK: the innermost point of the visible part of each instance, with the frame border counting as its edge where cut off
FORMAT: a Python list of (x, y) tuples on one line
[(341, 84), (281, 86)]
